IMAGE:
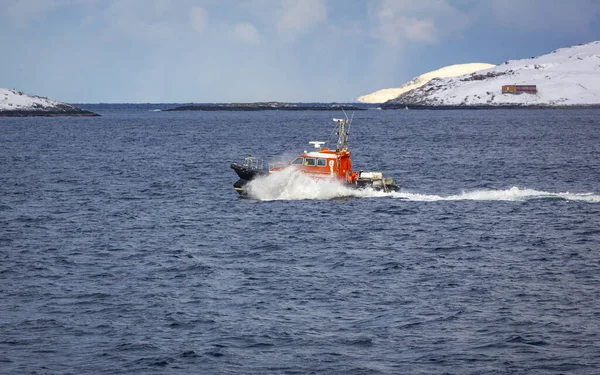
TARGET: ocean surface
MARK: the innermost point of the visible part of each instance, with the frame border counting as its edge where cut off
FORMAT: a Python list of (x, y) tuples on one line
[(124, 248)]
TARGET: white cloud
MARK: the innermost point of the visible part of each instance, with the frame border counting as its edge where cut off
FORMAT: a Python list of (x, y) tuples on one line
[(246, 32), (570, 17), (395, 29), (198, 18), (148, 20), (298, 16), (26, 11), (427, 21), (23, 11)]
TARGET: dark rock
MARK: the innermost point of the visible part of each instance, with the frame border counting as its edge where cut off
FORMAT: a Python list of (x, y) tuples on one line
[(36, 109), (267, 106), (47, 113)]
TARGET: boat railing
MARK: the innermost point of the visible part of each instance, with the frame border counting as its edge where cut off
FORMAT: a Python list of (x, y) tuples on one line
[(251, 162)]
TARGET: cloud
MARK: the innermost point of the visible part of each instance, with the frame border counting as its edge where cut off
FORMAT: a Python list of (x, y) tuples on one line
[(24, 11), (395, 29), (198, 18), (246, 32), (569, 17), (149, 20), (397, 22), (297, 16)]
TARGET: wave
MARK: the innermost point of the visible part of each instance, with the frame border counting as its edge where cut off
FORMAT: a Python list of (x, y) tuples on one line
[(290, 184)]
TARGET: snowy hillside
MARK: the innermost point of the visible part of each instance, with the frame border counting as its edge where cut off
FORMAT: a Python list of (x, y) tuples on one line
[(384, 95), (16, 103), (565, 77)]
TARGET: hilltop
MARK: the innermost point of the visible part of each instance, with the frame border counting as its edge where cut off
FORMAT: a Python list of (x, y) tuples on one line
[(566, 77), (384, 95)]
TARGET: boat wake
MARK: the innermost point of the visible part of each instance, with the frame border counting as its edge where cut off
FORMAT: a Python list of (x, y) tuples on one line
[(290, 184), (512, 194)]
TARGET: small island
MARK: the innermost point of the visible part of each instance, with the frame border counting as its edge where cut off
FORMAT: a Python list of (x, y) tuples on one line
[(267, 106), (15, 103)]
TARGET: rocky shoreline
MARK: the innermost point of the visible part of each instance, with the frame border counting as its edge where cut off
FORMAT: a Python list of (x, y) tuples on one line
[(396, 106), (48, 113)]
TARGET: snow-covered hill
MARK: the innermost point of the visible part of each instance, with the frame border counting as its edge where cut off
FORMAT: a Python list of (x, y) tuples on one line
[(384, 95), (566, 77), (16, 103)]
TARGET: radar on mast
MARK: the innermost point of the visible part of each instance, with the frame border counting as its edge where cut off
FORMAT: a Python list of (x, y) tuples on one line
[(317, 144)]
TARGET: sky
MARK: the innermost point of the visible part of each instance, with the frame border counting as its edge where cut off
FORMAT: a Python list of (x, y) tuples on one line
[(203, 51)]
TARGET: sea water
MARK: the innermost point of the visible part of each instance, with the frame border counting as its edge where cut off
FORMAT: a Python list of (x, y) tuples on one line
[(125, 249)]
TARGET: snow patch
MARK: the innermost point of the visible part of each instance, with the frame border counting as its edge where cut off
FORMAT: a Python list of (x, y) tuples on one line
[(384, 95), (13, 100)]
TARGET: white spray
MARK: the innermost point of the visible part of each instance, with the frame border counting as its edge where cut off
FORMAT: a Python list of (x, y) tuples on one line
[(290, 184)]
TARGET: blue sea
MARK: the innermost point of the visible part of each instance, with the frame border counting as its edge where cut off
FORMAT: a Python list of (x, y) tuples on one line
[(124, 248)]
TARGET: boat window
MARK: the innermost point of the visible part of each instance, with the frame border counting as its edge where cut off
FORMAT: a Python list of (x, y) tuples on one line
[(322, 162), (309, 161), (298, 161)]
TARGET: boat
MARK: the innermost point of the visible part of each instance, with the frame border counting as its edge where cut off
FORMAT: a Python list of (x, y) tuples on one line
[(322, 164)]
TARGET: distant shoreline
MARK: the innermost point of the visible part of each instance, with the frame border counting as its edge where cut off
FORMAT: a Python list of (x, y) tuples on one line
[(477, 107), (240, 107), (268, 106)]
